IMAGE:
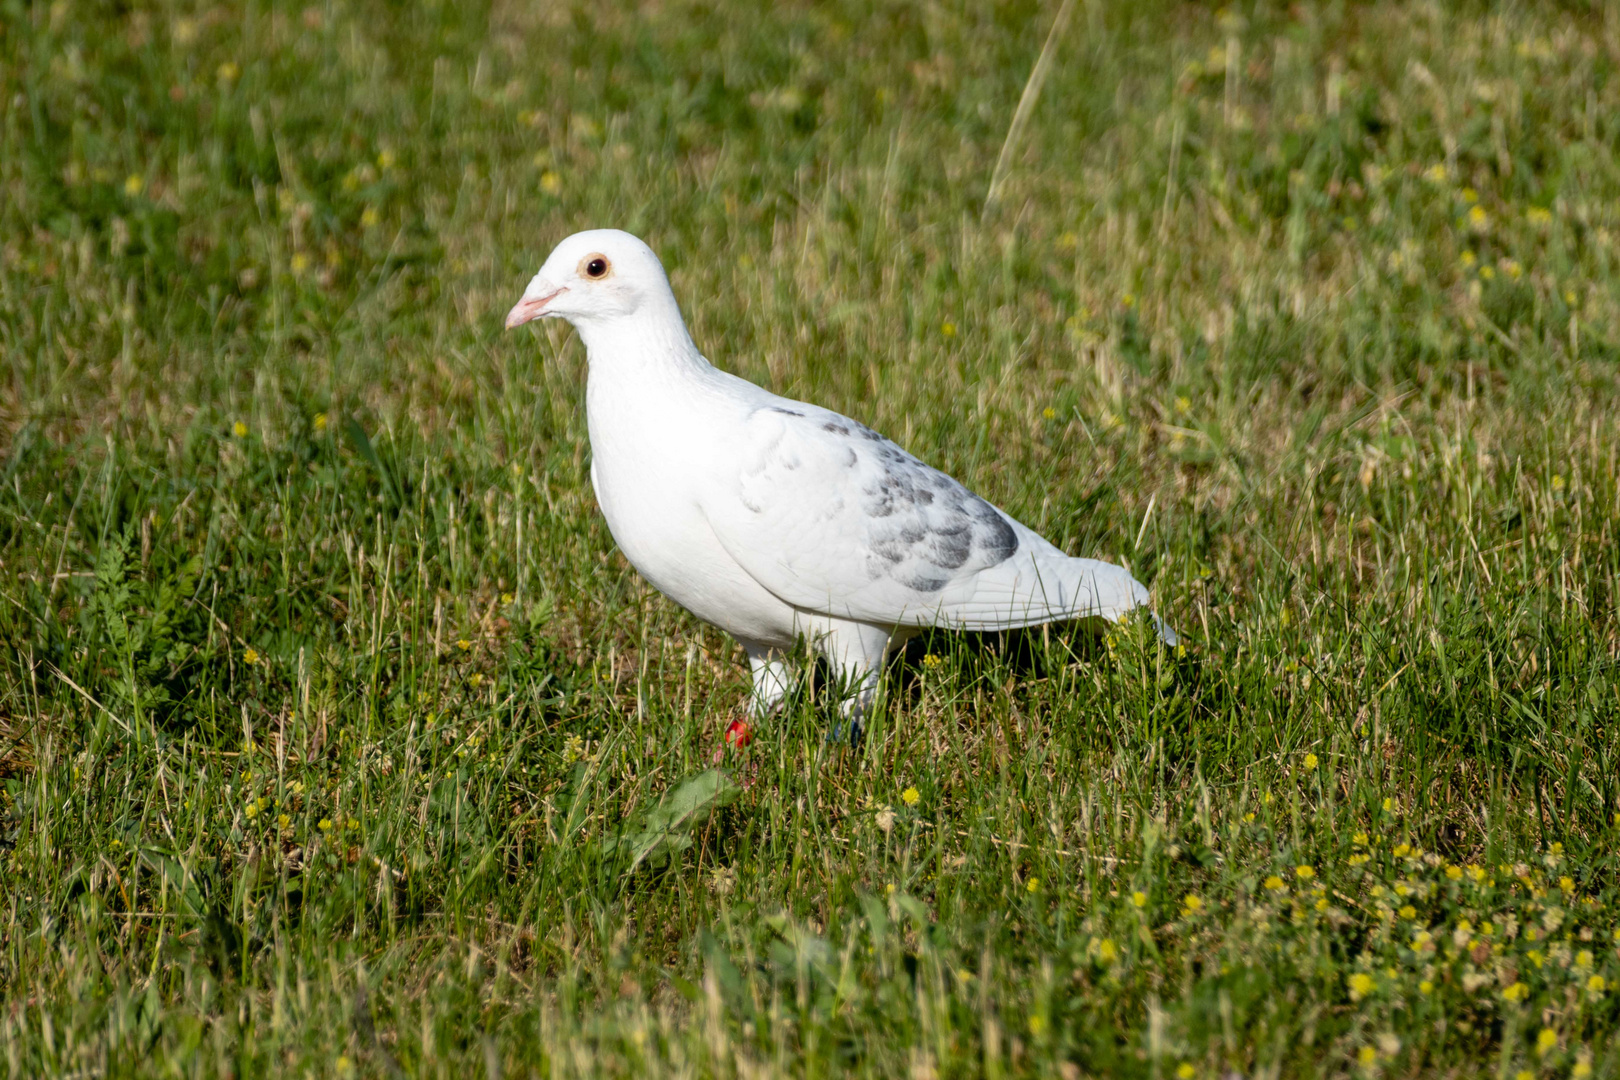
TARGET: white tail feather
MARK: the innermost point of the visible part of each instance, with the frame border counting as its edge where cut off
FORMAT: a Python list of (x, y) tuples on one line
[(1041, 585)]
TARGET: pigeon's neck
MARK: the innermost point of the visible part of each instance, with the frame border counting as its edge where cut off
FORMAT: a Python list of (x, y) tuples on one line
[(653, 340)]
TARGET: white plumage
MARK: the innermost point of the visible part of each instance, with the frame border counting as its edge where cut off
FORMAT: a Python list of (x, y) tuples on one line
[(774, 519)]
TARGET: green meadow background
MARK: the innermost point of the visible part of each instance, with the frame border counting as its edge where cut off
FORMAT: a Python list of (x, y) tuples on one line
[(337, 739)]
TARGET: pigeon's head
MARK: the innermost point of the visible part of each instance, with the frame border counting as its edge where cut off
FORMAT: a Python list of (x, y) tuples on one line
[(594, 277)]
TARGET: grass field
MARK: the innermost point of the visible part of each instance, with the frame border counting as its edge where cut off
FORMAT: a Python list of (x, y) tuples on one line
[(333, 727)]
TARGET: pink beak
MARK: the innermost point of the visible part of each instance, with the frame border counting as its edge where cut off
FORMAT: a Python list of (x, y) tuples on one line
[(530, 308)]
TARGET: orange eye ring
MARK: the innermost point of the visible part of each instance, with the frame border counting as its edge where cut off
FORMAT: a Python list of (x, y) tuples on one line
[(595, 267)]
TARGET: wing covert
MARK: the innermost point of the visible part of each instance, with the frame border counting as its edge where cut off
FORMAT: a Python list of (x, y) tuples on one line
[(834, 518)]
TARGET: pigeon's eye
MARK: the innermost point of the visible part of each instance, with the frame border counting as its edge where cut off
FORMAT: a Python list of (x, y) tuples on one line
[(596, 267)]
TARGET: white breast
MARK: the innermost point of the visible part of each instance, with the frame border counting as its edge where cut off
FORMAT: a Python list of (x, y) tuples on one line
[(648, 450)]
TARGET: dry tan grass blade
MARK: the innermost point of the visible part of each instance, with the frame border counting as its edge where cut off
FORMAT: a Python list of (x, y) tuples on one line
[(1026, 103)]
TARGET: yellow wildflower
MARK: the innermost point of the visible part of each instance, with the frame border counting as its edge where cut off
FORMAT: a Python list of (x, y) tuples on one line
[(1310, 761), (1477, 218), (1597, 984), (948, 328), (1274, 883), (1361, 984), (911, 796), (1193, 903), (1454, 873), (1033, 885), (1107, 951), (1305, 871), (1139, 899), (250, 656), (325, 825), (1185, 1071), (1546, 1040), (1408, 911), (1517, 992)]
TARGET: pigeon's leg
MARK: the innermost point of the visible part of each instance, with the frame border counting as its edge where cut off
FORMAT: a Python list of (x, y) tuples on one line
[(770, 671), (855, 651)]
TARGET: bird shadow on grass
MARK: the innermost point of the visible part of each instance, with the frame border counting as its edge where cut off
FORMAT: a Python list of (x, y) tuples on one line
[(1030, 654), (1002, 660)]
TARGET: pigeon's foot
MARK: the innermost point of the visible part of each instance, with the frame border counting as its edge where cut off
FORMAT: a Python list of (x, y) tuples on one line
[(855, 731), (860, 698), (738, 734)]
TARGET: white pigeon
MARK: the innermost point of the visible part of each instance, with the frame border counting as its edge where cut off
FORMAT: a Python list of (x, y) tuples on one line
[(777, 520)]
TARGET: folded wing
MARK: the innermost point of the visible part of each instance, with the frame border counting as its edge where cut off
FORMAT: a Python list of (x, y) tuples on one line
[(833, 518)]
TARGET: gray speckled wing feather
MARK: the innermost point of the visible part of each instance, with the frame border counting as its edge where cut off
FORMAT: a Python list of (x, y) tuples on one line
[(833, 518)]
